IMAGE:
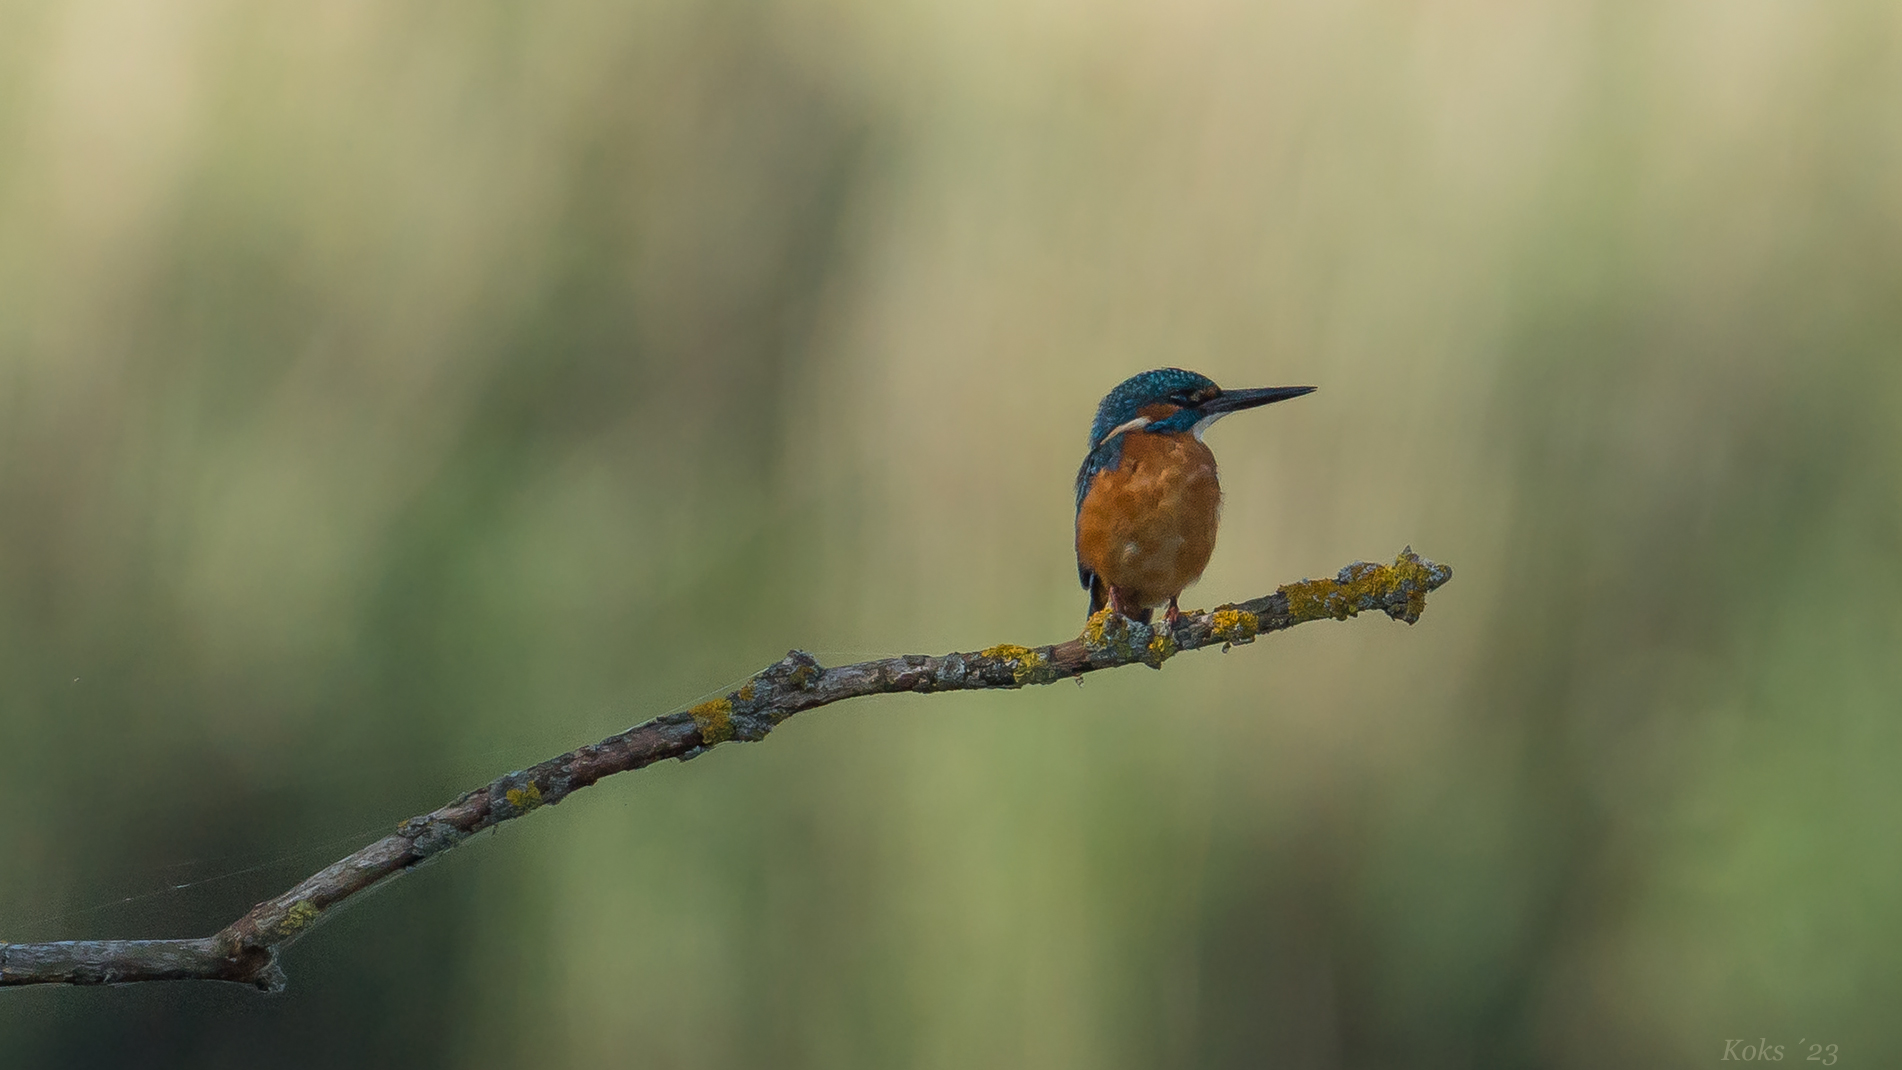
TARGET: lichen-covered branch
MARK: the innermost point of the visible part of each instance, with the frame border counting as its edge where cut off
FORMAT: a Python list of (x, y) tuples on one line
[(247, 950)]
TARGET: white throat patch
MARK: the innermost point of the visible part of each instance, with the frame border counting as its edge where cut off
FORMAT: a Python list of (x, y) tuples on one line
[(1203, 424)]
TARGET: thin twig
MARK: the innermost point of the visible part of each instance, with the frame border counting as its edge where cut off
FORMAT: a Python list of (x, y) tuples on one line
[(246, 951)]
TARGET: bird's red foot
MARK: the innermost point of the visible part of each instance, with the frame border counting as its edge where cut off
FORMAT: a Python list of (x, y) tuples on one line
[(1172, 614)]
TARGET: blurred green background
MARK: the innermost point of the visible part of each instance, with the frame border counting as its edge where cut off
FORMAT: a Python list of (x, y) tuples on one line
[(393, 394)]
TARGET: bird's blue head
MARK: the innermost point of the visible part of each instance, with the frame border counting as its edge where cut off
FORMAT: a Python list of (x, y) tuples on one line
[(1174, 400), (1159, 386), (1165, 400)]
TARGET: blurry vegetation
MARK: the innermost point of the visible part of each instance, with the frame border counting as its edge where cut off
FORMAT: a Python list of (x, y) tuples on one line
[(392, 394)]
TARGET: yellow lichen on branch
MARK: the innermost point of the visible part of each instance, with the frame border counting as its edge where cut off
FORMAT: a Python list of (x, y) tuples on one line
[(1026, 665), (1160, 649), (1362, 585), (715, 719), (524, 799), (1234, 626), (300, 915)]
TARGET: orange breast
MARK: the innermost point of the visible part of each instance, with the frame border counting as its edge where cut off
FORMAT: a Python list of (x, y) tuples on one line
[(1147, 527)]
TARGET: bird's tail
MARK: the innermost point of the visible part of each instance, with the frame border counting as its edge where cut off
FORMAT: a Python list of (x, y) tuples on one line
[(1100, 597)]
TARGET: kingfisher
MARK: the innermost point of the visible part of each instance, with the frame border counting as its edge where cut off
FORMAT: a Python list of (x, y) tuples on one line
[(1147, 499)]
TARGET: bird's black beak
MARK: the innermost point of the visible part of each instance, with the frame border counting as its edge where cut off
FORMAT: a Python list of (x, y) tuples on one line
[(1236, 400)]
